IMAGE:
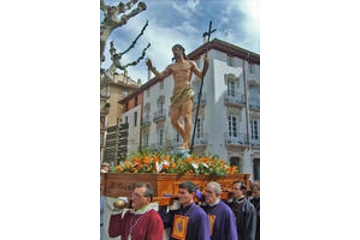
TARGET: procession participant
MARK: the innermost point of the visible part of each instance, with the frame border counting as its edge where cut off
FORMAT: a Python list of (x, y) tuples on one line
[(221, 218), (142, 221), (256, 202), (245, 213), (105, 167), (189, 222), (102, 204), (183, 94)]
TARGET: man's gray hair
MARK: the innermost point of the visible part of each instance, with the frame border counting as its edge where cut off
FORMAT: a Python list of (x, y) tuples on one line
[(216, 185)]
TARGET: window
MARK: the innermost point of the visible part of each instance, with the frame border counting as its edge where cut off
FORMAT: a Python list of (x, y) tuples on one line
[(254, 93), (199, 131), (254, 97), (254, 129), (136, 101), (135, 119), (147, 113), (251, 68), (232, 126), (231, 88), (198, 128), (161, 104), (161, 137), (126, 119), (230, 61), (125, 93), (146, 139)]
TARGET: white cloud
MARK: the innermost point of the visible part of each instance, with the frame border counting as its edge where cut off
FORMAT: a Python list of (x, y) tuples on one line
[(191, 4), (250, 26), (252, 14), (187, 29), (186, 10)]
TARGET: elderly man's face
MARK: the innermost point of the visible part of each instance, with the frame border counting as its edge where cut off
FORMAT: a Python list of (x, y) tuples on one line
[(138, 198), (210, 196)]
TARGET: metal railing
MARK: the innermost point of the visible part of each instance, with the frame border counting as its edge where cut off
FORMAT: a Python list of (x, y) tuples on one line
[(159, 115), (235, 138), (234, 98), (146, 120), (254, 103), (200, 139), (255, 142)]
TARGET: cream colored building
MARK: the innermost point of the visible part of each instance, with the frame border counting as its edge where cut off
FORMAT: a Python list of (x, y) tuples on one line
[(121, 86)]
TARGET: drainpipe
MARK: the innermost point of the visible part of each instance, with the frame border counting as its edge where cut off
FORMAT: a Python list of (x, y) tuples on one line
[(141, 118), (246, 103)]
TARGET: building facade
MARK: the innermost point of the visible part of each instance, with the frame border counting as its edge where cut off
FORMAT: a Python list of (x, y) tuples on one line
[(121, 86), (228, 121)]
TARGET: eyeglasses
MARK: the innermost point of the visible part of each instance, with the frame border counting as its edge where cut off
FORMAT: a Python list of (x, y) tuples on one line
[(136, 195)]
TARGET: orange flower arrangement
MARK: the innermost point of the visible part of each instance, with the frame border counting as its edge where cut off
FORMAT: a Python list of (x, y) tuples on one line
[(161, 163)]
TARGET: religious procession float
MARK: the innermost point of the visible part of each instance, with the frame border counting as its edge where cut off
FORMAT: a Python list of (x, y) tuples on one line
[(166, 172)]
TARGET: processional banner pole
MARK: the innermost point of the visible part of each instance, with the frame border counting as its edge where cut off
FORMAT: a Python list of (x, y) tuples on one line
[(206, 34)]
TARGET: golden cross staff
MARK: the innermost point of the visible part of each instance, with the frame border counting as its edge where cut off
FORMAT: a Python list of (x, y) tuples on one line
[(208, 34)]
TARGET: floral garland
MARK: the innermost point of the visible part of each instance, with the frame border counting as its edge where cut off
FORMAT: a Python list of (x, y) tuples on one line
[(161, 163)]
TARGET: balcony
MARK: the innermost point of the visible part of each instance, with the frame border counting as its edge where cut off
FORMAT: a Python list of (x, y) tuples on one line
[(159, 115), (254, 103), (156, 146), (255, 142), (146, 120), (234, 99), (253, 77), (235, 138), (200, 139), (102, 138)]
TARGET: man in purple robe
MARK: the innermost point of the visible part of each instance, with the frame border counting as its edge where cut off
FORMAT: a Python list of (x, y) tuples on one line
[(221, 217), (189, 222)]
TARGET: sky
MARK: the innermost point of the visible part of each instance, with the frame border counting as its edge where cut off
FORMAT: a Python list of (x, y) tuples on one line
[(184, 22)]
